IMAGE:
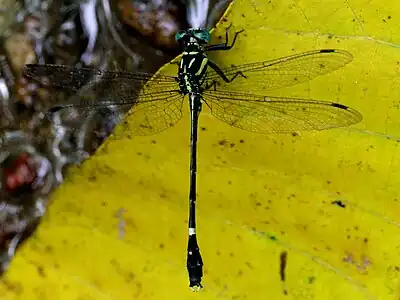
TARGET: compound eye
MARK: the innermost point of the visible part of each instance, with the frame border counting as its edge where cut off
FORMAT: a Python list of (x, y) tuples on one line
[(179, 35), (202, 35)]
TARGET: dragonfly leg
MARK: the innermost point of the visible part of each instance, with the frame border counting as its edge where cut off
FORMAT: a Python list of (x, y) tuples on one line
[(225, 45), (210, 85), (218, 70)]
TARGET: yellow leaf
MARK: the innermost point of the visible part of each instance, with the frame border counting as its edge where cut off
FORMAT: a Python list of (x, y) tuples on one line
[(117, 228)]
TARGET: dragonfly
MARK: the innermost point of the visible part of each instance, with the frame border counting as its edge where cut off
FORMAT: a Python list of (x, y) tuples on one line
[(205, 83)]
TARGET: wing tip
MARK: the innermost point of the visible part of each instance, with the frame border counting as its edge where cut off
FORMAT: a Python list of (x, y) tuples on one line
[(338, 105), (357, 116), (338, 51)]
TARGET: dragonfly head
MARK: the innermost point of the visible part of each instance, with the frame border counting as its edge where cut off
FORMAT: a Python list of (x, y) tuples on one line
[(192, 36)]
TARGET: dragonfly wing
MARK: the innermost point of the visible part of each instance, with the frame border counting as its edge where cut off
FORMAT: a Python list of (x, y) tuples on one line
[(72, 78), (91, 87), (155, 113), (150, 113), (154, 100), (281, 72), (266, 114)]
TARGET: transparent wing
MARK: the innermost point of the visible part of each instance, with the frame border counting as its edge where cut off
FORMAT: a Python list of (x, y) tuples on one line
[(157, 99), (72, 78), (266, 114), (108, 86), (150, 114), (281, 72), (155, 115)]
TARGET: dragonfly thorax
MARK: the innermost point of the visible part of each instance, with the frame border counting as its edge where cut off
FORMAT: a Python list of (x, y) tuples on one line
[(192, 69)]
